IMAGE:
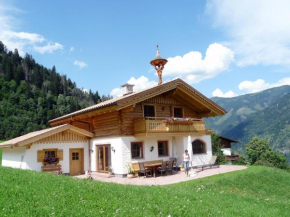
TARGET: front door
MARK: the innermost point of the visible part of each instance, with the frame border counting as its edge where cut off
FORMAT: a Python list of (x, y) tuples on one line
[(76, 161), (103, 158)]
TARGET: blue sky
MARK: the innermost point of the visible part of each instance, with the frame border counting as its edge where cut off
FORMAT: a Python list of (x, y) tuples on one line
[(220, 47)]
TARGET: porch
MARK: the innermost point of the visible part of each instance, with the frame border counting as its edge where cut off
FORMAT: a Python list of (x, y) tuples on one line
[(163, 180)]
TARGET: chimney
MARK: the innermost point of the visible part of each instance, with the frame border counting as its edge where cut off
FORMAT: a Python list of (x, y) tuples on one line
[(127, 89)]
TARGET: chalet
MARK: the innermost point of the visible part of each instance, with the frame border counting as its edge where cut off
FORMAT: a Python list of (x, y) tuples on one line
[(226, 144), (157, 123)]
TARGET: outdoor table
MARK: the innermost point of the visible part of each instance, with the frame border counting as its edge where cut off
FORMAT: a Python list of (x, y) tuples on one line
[(153, 166)]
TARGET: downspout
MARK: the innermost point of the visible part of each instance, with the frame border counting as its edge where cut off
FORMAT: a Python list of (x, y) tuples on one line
[(90, 152)]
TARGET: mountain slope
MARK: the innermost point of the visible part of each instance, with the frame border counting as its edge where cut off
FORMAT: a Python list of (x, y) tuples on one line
[(242, 107), (272, 124)]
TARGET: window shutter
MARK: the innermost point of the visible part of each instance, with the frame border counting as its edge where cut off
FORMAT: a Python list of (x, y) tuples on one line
[(40, 155), (59, 154)]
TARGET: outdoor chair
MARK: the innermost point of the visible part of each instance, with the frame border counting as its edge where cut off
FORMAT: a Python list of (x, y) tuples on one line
[(170, 167), (163, 168), (144, 170), (174, 166), (211, 163)]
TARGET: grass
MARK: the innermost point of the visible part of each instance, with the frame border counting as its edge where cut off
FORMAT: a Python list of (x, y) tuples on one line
[(1, 154), (257, 191)]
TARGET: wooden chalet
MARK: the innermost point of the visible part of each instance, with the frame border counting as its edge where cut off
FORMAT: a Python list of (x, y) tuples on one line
[(157, 123)]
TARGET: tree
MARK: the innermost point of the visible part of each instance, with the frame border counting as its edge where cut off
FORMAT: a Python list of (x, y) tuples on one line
[(260, 153), (256, 148), (216, 148)]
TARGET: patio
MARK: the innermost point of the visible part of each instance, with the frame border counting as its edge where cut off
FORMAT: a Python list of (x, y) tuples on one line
[(164, 180)]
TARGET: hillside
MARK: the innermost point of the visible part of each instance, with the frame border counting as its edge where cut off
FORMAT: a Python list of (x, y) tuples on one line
[(272, 123), (31, 94), (262, 192), (242, 107), (265, 114)]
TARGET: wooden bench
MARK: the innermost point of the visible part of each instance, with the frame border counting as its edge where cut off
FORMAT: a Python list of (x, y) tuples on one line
[(135, 166), (52, 168)]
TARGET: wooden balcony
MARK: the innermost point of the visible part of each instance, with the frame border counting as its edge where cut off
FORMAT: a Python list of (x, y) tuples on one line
[(151, 127), (232, 157)]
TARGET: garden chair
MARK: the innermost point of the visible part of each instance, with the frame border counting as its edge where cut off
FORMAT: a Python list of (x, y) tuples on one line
[(144, 170), (211, 163), (163, 167), (170, 167)]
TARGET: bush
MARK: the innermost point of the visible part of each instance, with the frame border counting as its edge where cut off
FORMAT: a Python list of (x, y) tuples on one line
[(263, 162), (241, 161)]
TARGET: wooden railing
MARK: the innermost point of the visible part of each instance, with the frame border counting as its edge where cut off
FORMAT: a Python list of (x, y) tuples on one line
[(153, 126)]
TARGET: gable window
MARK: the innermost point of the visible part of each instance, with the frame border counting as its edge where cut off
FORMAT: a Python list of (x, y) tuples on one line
[(149, 111), (198, 147), (162, 148), (178, 113), (137, 150)]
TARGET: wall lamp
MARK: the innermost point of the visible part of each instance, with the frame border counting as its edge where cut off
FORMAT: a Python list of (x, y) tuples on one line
[(91, 150), (152, 148), (113, 150)]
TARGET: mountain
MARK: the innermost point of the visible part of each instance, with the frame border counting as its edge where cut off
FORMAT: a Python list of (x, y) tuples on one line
[(31, 94), (242, 107), (265, 114)]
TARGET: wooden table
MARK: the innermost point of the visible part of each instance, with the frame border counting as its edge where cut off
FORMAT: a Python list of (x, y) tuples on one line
[(153, 166)]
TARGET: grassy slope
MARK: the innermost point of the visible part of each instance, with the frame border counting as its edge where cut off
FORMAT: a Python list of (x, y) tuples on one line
[(257, 191)]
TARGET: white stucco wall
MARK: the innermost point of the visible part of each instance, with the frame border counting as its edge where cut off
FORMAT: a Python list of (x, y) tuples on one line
[(183, 143), (13, 157), (226, 151), (31, 155), (122, 155)]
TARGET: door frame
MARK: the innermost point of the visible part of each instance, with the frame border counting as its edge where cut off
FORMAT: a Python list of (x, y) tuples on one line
[(82, 162), (97, 154)]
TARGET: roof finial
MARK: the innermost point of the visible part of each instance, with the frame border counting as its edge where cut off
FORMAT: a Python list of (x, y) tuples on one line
[(158, 54)]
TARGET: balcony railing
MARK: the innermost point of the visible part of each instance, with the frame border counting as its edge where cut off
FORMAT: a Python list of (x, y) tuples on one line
[(159, 126)]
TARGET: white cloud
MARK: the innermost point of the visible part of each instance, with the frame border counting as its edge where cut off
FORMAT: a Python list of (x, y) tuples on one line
[(21, 40), (71, 49), (49, 48), (193, 68), (219, 93), (140, 84), (260, 84), (80, 64), (258, 31)]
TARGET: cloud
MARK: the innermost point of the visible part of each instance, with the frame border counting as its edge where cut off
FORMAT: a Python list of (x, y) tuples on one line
[(80, 64), (21, 40), (49, 48), (140, 84), (193, 68), (260, 84), (258, 31), (71, 49), (219, 93)]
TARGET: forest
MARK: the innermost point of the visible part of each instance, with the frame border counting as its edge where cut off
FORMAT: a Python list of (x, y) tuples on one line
[(31, 94)]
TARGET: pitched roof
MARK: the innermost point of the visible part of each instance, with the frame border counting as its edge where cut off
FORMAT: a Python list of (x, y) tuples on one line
[(138, 96), (37, 135), (230, 140)]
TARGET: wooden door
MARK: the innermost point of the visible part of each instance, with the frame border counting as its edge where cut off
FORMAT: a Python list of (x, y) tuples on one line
[(103, 157), (76, 161)]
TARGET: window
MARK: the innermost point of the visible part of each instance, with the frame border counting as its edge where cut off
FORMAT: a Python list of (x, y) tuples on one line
[(162, 148), (178, 113), (137, 149), (50, 152), (75, 156), (149, 111), (198, 147)]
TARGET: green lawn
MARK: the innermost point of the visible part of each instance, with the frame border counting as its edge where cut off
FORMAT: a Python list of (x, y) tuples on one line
[(1, 154), (257, 191)]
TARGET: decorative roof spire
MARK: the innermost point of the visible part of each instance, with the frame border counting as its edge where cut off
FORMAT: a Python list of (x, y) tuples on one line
[(158, 53), (158, 63)]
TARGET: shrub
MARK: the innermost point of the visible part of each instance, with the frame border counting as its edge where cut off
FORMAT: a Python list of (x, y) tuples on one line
[(241, 161)]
